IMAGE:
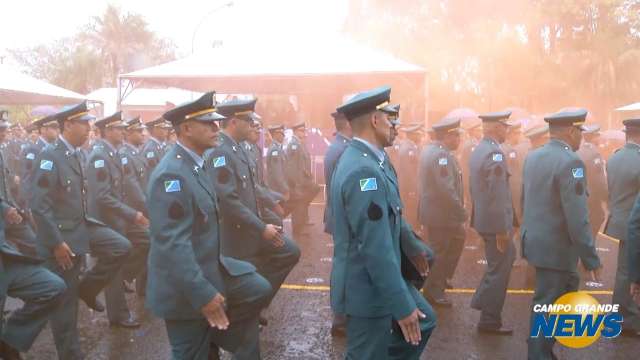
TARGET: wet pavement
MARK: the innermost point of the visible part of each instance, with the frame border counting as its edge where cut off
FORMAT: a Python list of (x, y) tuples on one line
[(300, 317)]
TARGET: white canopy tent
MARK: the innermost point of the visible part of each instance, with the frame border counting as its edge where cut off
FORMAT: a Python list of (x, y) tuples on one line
[(17, 88), (630, 107)]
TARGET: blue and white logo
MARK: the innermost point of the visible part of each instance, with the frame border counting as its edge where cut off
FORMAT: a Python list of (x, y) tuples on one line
[(443, 161), (98, 164), (125, 161), (497, 157), (578, 173), (46, 165), (31, 156), (219, 162), (369, 184), (172, 186), (150, 155)]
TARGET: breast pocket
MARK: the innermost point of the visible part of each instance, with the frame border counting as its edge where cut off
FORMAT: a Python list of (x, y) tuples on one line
[(204, 214)]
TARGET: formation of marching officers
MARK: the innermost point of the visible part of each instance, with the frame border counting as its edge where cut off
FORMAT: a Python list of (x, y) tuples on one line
[(198, 224)]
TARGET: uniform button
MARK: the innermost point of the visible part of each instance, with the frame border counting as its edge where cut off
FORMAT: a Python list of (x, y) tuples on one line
[(365, 155), (59, 226), (237, 226)]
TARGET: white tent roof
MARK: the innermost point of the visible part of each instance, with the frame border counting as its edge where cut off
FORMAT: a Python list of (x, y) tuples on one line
[(273, 58), (630, 107), (19, 88)]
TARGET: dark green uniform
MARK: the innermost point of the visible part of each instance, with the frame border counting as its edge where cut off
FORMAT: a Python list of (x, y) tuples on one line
[(623, 177), (555, 231), (597, 184), (107, 181), (492, 213), (302, 187), (244, 224), (366, 278), (408, 158), (276, 164), (59, 206), (23, 277), (441, 211)]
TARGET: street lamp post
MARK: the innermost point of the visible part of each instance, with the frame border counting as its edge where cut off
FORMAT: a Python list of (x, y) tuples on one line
[(195, 31)]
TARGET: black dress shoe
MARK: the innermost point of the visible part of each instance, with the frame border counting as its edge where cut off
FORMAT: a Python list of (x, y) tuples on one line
[(338, 330), (93, 303), (503, 331), (262, 321), (7, 352), (129, 323)]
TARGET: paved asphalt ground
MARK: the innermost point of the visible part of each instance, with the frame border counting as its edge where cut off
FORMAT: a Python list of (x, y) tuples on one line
[(300, 317)]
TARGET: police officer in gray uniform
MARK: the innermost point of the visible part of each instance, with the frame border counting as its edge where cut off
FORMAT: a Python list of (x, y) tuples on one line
[(276, 162), (597, 181), (23, 277), (555, 231), (155, 147), (441, 208), (331, 157), (623, 173), (66, 231), (135, 187), (107, 181), (493, 218), (207, 300), (387, 316), (408, 157), (246, 233), (21, 234), (48, 131)]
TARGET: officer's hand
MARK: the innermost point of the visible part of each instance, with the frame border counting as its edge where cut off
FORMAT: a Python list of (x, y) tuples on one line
[(141, 220), (272, 233), (421, 264), (634, 290), (278, 210), (502, 241), (214, 313), (12, 216), (411, 327), (64, 256)]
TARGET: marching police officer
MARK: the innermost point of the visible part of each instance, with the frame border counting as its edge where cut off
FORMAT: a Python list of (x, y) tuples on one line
[(23, 277), (21, 234), (515, 150), (135, 187), (623, 172), (276, 162), (331, 157), (555, 231), (493, 218), (246, 234), (589, 152), (441, 208), (473, 130), (48, 131), (408, 157), (387, 316), (302, 186), (206, 299), (156, 145), (107, 182), (66, 232)]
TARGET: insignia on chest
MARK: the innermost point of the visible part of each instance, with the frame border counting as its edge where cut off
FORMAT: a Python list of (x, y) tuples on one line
[(275, 153), (172, 186), (578, 173), (368, 184), (46, 165), (293, 147), (150, 154), (443, 161), (31, 156), (497, 157), (98, 164), (124, 161), (219, 162)]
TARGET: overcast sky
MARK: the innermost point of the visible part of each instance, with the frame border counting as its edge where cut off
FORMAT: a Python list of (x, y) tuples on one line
[(30, 22)]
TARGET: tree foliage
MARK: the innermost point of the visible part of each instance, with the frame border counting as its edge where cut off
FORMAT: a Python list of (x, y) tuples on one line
[(490, 54), (108, 45)]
